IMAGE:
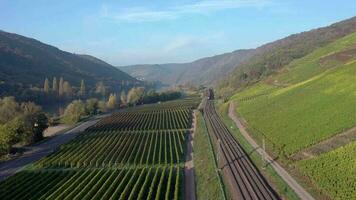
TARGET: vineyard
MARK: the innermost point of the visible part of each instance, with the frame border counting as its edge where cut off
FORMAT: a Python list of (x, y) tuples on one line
[(163, 119), (99, 149), (136, 183), (137, 153), (334, 172)]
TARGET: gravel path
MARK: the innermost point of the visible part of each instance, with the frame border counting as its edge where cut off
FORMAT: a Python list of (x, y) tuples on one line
[(37, 151), (299, 190)]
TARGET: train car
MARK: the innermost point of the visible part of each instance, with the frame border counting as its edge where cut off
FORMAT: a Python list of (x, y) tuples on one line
[(210, 94)]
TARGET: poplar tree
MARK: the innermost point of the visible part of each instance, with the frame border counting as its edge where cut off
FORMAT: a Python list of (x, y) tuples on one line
[(60, 87), (82, 88), (54, 84), (46, 86), (67, 88), (112, 102)]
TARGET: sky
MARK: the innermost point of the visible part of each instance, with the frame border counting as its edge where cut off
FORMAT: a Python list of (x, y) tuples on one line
[(125, 32)]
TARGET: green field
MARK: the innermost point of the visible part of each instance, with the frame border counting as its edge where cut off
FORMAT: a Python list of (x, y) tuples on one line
[(334, 172), (136, 153), (312, 100), (315, 105)]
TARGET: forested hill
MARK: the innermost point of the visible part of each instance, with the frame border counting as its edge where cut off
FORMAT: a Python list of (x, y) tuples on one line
[(26, 61), (203, 71)]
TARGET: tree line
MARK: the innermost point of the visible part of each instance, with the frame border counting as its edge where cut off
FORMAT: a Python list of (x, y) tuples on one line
[(20, 123), (78, 109)]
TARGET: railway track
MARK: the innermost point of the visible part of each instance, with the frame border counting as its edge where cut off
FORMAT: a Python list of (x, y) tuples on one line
[(239, 173)]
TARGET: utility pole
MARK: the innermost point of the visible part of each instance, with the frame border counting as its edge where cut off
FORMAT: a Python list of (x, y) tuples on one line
[(218, 153), (264, 153)]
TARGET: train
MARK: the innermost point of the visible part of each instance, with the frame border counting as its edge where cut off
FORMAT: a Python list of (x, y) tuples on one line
[(209, 93)]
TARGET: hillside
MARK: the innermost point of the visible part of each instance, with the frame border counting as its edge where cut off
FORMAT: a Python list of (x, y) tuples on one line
[(272, 57), (26, 61), (203, 71), (311, 100), (243, 67)]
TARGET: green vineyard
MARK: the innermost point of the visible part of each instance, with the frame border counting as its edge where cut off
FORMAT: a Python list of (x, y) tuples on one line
[(136, 183), (99, 149), (137, 153), (163, 119)]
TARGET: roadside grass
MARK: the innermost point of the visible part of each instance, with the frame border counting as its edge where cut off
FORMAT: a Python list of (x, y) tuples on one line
[(206, 176), (277, 182)]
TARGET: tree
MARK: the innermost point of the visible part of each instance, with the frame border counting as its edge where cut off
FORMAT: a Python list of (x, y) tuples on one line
[(100, 88), (46, 86), (67, 88), (9, 109), (54, 84), (92, 106), (134, 95), (82, 88), (34, 122), (8, 135), (102, 106), (60, 87), (74, 112), (123, 98), (112, 102)]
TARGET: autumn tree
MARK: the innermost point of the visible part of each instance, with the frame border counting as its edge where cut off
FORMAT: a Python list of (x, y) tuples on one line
[(134, 95), (112, 102)]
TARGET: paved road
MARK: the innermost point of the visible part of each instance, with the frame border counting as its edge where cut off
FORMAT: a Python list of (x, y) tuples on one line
[(37, 151), (299, 190)]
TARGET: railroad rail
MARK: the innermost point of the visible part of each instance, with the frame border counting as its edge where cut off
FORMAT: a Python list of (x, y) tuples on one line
[(239, 173)]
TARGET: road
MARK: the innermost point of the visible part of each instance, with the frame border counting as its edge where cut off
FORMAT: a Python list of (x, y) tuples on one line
[(241, 176), (37, 151), (299, 190)]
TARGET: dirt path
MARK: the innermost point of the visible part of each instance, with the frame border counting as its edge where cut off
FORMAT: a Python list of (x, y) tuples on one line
[(299, 190), (37, 151), (189, 185)]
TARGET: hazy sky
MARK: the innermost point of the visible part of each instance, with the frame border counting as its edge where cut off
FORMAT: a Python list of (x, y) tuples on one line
[(124, 32)]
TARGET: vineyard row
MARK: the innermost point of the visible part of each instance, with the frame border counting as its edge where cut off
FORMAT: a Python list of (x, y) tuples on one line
[(136, 183), (100, 149), (155, 120)]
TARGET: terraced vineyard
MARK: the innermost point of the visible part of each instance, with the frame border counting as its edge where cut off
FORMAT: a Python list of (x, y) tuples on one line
[(133, 154)]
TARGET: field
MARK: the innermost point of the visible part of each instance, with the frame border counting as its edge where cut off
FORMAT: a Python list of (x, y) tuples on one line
[(113, 149), (334, 172), (136, 183), (313, 100), (137, 153), (308, 107)]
